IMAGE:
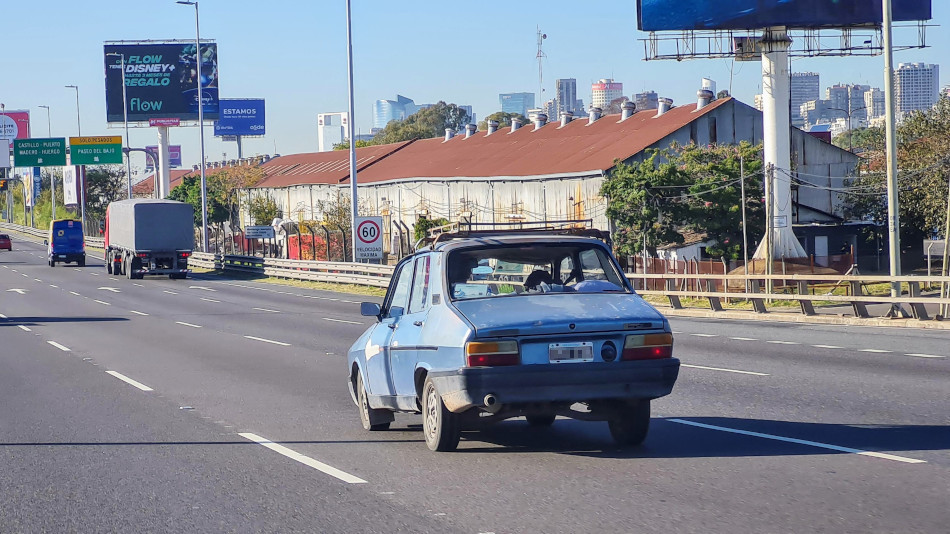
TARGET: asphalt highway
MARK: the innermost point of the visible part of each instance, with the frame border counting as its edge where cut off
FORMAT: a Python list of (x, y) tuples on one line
[(220, 405)]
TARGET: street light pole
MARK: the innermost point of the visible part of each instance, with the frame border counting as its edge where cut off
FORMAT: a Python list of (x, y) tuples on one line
[(125, 119), (82, 169), (354, 196), (52, 180), (201, 128)]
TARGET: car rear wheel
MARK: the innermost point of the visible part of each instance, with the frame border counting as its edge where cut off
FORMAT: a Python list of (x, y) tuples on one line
[(371, 418), (629, 427), (440, 426), (540, 420)]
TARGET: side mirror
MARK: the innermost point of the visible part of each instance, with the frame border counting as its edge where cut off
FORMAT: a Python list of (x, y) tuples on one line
[(370, 309)]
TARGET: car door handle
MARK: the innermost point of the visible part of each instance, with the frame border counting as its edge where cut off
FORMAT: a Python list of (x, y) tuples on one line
[(417, 323)]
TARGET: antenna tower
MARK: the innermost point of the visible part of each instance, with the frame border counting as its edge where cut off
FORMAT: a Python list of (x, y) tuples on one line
[(541, 55)]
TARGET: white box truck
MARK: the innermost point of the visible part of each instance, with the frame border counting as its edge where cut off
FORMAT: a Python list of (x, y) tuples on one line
[(149, 236)]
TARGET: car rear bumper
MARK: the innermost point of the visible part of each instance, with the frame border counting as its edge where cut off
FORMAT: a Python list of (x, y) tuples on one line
[(67, 257), (572, 382)]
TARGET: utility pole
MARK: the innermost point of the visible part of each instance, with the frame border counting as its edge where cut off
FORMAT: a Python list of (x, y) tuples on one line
[(893, 206), (745, 237)]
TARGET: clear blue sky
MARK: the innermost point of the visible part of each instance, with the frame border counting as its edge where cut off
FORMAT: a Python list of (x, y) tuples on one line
[(293, 54)]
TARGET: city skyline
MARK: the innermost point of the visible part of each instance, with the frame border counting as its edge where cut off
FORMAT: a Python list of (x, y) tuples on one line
[(301, 73)]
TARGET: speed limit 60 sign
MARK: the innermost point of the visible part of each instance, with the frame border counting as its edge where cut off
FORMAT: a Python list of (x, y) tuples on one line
[(369, 238)]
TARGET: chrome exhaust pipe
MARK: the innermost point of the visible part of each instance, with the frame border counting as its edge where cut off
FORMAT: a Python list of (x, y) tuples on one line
[(491, 403)]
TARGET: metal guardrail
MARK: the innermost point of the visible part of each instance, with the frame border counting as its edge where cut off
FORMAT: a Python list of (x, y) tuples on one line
[(793, 287), (318, 271)]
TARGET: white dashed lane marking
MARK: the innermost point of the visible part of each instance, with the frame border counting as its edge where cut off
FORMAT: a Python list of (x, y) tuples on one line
[(169, 292), (879, 351), (209, 300), (704, 335), (266, 310), (926, 356), (58, 346), (129, 381), (724, 370), (827, 347), (187, 324), (74, 293), (281, 343), (784, 342), (24, 328), (744, 338), (137, 312), (340, 320), (306, 460), (800, 442), (102, 302)]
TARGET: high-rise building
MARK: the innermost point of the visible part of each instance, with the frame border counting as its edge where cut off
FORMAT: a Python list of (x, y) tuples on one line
[(566, 96), (332, 129), (579, 107), (646, 100), (385, 111), (874, 103), (804, 87), (605, 91), (838, 96), (916, 86), (471, 114), (518, 103)]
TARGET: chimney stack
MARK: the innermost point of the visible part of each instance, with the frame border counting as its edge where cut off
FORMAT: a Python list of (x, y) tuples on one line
[(492, 127), (594, 115), (540, 121), (470, 130), (449, 134), (705, 96), (515, 124), (664, 105), (566, 117), (628, 108)]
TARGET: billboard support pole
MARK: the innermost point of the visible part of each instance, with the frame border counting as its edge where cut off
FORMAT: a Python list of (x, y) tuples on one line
[(239, 147), (893, 209), (776, 141), (354, 198), (164, 164)]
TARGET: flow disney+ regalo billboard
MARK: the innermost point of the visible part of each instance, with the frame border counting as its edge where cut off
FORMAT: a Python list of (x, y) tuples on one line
[(660, 15), (161, 81)]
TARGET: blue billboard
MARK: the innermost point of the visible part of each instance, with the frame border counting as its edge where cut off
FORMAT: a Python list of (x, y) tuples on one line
[(660, 15), (240, 116)]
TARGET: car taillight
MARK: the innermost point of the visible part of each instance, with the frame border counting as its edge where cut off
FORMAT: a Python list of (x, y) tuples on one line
[(492, 353), (648, 347), (184, 254), (142, 254)]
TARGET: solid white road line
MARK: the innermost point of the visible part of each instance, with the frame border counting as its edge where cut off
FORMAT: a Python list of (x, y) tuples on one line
[(827, 347), (784, 342), (266, 310), (879, 351), (704, 335), (58, 346), (801, 442), (138, 312), (101, 302), (724, 370), (281, 343), (926, 356), (129, 381), (24, 328), (340, 320), (187, 324), (306, 460), (744, 338), (209, 300)]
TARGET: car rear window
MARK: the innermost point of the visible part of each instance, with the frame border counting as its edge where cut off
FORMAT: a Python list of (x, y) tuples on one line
[(4, 236), (521, 270)]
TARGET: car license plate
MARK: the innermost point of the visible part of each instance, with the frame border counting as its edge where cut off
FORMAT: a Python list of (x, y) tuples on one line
[(571, 352)]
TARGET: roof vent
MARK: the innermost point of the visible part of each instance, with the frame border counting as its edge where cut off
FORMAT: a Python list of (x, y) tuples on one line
[(628, 108), (492, 127), (449, 134), (194, 167), (704, 96), (515, 124), (594, 115), (470, 130), (664, 105), (566, 117), (540, 121)]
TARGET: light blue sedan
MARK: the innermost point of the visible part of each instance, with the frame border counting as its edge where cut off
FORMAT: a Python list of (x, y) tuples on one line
[(475, 330)]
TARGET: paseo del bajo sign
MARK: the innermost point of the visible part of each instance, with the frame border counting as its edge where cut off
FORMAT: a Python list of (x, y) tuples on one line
[(95, 150)]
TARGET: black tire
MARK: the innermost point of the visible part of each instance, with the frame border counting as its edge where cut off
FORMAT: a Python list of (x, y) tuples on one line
[(108, 259), (439, 425), (540, 420), (370, 417), (629, 427), (52, 263), (127, 267), (81, 262)]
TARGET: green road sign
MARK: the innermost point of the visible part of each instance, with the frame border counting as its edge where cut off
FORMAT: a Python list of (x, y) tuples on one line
[(95, 150), (39, 152)]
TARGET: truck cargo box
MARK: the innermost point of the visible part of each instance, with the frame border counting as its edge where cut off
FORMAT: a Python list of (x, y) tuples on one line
[(151, 224)]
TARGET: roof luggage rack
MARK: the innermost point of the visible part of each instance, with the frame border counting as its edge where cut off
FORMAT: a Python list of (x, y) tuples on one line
[(462, 230)]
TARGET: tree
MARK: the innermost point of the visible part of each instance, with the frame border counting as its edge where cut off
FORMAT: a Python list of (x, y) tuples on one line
[(345, 144), (723, 94), (263, 209), (422, 226), (189, 190), (503, 118), (337, 217), (686, 189), (424, 124), (861, 140), (104, 184)]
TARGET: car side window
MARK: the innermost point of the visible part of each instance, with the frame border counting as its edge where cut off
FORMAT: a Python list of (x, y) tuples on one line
[(420, 287), (398, 300)]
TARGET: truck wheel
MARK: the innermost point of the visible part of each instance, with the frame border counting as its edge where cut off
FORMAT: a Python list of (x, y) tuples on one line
[(109, 263), (629, 427), (540, 420), (440, 426), (372, 419), (127, 268)]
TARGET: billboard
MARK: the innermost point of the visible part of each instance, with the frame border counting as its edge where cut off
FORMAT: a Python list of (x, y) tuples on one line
[(659, 15), (161, 80), (240, 116), (174, 156), (70, 185), (14, 125)]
